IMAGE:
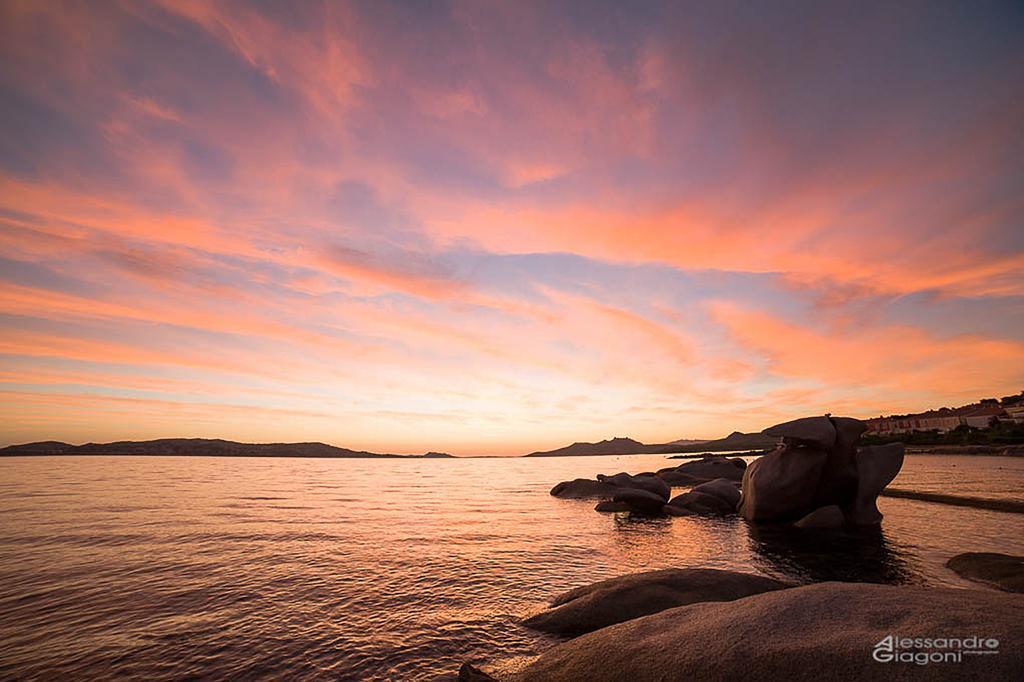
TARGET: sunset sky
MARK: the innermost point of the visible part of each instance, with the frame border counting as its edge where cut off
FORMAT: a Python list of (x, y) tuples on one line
[(491, 227)]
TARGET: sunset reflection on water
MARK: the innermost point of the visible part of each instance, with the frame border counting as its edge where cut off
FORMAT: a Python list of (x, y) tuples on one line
[(166, 567)]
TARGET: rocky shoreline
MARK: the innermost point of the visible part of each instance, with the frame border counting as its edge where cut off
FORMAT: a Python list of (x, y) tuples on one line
[(715, 624)]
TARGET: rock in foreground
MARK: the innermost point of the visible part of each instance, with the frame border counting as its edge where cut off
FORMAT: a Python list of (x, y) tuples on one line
[(823, 631), (595, 606), (1000, 570)]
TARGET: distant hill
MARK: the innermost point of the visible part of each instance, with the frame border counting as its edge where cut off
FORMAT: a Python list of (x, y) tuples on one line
[(203, 447), (614, 446), (734, 441), (628, 446)]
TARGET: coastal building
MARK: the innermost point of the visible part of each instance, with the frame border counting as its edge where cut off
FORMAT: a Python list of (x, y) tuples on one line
[(983, 417), (978, 415), (1015, 413)]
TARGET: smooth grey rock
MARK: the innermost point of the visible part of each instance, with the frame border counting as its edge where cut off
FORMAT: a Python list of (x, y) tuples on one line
[(702, 503), (648, 482), (999, 570), (722, 488), (782, 485), (838, 483), (642, 501), (580, 488), (677, 479), (817, 431), (815, 632), (604, 603), (709, 468), (877, 465)]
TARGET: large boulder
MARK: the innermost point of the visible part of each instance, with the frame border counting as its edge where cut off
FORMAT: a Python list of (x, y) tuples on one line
[(818, 432), (678, 479), (649, 482), (607, 486), (722, 488), (604, 603), (838, 485), (782, 485), (706, 469), (999, 570), (702, 503), (834, 631), (877, 465), (581, 488), (669, 510), (641, 501)]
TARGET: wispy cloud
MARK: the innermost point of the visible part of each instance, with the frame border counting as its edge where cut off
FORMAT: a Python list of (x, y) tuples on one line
[(490, 228)]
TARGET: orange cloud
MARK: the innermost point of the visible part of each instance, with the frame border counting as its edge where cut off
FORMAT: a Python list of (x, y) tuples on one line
[(879, 358)]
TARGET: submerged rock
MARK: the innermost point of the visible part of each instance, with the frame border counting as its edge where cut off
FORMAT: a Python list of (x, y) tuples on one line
[(604, 603), (999, 570), (721, 488), (582, 488), (678, 479), (702, 503), (703, 470), (649, 482), (823, 517), (642, 501), (612, 506), (834, 631)]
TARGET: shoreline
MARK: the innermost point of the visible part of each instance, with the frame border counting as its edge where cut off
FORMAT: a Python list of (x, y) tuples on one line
[(968, 450), (990, 503)]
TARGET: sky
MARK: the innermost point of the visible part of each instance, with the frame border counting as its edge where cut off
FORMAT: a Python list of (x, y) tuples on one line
[(496, 227)]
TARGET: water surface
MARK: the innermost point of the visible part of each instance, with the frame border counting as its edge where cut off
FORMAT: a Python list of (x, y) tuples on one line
[(170, 567)]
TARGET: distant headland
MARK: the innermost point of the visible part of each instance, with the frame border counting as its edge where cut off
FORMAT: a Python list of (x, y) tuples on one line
[(201, 447), (628, 446)]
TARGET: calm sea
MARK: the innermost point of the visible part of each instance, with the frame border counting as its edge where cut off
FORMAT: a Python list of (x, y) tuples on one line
[(174, 567)]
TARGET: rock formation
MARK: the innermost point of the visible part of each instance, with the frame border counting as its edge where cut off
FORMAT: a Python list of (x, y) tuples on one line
[(646, 481), (643, 493), (703, 470), (718, 497), (877, 465), (798, 634), (782, 485), (819, 466), (999, 570), (642, 501), (598, 605), (580, 488), (816, 478)]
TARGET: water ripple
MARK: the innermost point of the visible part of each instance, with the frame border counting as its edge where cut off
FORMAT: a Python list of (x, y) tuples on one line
[(176, 568)]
